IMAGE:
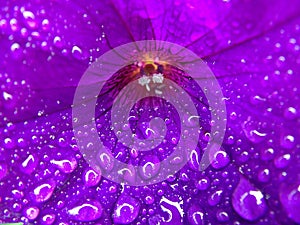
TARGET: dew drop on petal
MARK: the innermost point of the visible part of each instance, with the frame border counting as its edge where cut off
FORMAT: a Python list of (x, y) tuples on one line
[(222, 216), (149, 199), (254, 135), (195, 215), (150, 167), (215, 198), (248, 201), (219, 159), (77, 52), (58, 42), (287, 141), (264, 175), (88, 211), (45, 24), (32, 212), (44, 191), (203, 184), (290, 113), (9, 143), (194, 160), (91, 177), (29, 164), (16, 50), (126, 210), (48, 219), (267, 154), (30, 19), (290, 199), (14, 24), (106, 162), (282, 161), (17, 194), (65, 165)]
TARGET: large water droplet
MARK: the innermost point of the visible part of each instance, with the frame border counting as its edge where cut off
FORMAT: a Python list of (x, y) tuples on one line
[(66, 165), (48, 219), (282, 161), (255, 136), (150, 167), (88, 211), (126, 210), (44, 191), (264, 175), (247, 201), (290, 199), (106, 162), (287, 141), (215, 198), (91, 177), (29, 164), (290, 113), (195, 215), (222, 216), (219, 159), (32, 212), (30, 19), (76, 52), (203, 184)]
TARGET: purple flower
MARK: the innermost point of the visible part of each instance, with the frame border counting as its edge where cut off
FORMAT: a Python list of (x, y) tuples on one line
[(253, 49)]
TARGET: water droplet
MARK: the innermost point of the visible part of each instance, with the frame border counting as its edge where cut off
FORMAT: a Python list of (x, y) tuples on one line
[(32, 212), (222, 216), (17, 194), (290, 113), (290, 199), (17, 52), (106, 162), (150, 167), (44, 191), (48, 219), (14, 24), (58, 42), (287, 141), (267, 154), (30, 19), (219, 159), (254, 135), (65, 165), (17, 207), (88, 211), (29, 164), (45, 24), (9, 143), (203, 184), (247, 201), (215, 198), (149, 199), (77, 52), (194, 160), (196, 215), (126, 210), (91, 177), (264, 175), (282, 161)]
